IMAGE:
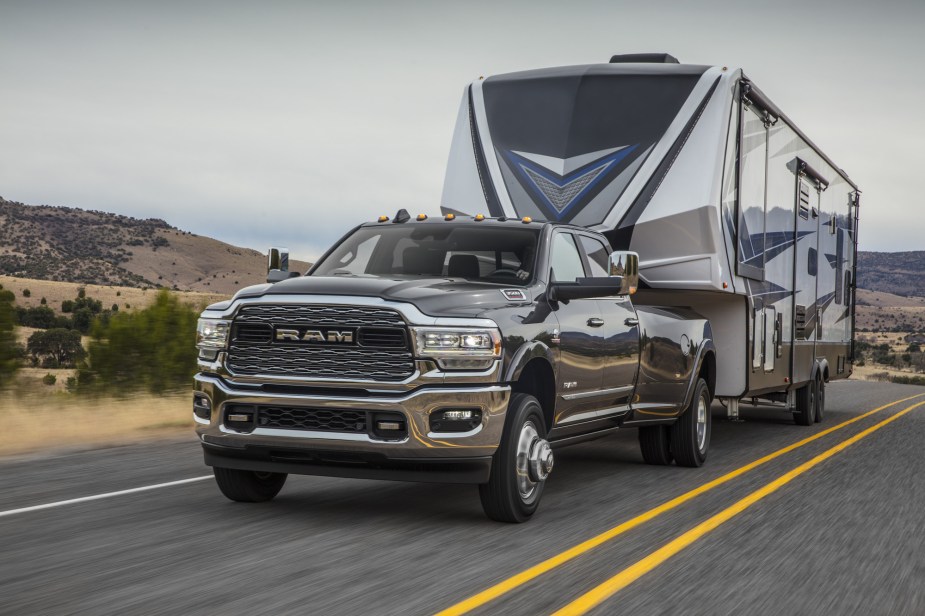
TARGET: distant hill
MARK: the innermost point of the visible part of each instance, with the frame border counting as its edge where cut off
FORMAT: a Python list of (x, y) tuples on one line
[(91, 247), (898, 273)]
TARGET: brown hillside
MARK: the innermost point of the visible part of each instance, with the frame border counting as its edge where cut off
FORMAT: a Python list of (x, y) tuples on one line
[(90, 247)]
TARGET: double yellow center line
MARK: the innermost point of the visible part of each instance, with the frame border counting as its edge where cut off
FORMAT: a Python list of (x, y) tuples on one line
[(611, 586)]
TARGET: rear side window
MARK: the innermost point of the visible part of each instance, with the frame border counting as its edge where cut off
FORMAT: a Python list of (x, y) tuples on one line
[(598, 256), (566, 260)]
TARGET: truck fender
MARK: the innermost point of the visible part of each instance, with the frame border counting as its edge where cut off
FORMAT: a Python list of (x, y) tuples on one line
[(523, 355), (706, 346)]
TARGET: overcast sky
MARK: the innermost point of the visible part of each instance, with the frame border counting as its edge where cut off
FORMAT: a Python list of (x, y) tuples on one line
[(286, 123)]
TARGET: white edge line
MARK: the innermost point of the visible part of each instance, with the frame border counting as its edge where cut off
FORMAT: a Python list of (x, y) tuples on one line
[(84, 499)]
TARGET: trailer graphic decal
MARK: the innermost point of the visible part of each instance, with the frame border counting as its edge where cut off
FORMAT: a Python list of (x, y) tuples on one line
[(556, 184)]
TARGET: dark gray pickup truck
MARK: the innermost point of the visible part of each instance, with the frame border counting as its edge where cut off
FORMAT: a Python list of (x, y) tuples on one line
[(460, 349)]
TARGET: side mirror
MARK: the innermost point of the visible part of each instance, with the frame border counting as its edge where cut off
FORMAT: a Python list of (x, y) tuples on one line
[(625, 265), (278, 265), (585, 288)]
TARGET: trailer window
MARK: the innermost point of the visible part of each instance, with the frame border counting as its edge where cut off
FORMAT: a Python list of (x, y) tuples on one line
[(752, 193)]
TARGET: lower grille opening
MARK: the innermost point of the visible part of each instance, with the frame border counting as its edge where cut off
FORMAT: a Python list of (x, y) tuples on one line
[(315, 420), (376, 424)]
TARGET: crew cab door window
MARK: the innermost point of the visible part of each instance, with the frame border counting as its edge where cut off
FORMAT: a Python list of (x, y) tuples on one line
[(598, 256), (566, 265)]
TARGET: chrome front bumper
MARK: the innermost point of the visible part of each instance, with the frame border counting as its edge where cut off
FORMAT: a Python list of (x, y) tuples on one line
[(419, 444)]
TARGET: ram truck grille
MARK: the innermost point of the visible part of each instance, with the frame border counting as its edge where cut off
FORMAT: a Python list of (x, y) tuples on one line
[(320, 342)]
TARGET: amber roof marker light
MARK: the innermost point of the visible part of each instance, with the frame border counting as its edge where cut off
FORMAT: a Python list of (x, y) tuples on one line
[(422, 216), (450, 217), (526, 220), (479, 217), (383, 219)]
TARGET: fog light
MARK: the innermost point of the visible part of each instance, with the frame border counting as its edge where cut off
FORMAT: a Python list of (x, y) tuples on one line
[(388, 425), (202, 407), (457, 415), (455, 420)]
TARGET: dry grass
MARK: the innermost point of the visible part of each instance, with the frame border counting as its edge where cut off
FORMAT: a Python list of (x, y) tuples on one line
[(47, 420)]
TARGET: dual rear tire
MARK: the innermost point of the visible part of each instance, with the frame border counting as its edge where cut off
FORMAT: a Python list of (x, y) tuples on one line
[(687, 440), (810, 402)]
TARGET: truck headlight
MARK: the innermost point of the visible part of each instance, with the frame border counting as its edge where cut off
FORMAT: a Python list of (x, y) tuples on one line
[(456, 348), (212, 336)]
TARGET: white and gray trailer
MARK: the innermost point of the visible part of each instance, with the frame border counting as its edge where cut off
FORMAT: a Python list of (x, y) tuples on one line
[(733, 211)]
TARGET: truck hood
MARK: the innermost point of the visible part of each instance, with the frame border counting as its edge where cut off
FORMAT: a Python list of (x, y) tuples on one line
[(438, 297)]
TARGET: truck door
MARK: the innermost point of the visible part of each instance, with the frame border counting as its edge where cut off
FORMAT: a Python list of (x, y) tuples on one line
[(620, 330), (580, 336)]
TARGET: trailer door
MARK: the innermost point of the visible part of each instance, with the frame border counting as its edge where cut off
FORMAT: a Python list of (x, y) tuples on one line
[(806, 309)]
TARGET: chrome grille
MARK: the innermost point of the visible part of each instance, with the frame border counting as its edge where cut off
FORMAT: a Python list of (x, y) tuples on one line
[(381, 353), (344, 316)]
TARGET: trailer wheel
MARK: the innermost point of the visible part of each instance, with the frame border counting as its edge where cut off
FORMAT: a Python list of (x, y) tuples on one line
[(655, 444), (248, 486), (690, 435), (820, 400), (520, 465), (805, 414)]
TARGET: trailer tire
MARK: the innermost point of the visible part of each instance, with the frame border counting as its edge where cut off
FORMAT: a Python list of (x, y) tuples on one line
[(820, 400), (805, 414), (690, 435), (511, 494), (248, 486), (655, 444)]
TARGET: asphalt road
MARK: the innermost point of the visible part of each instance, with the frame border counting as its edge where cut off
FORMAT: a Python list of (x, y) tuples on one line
[(847, 536)]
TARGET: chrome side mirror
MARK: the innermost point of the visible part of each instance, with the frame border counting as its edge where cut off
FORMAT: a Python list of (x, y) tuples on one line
[(625, 264), (278, 259), (278, 264)]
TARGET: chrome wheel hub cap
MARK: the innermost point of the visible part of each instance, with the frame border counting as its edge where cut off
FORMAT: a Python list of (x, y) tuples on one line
[(534, 461)]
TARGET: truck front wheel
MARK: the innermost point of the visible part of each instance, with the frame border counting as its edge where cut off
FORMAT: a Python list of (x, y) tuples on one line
[(520, 465), (690, 435), (248, 486)]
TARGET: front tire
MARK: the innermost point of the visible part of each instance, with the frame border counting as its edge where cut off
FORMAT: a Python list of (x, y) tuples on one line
[(690, 435), (513, 492), (248, 486), (655, 445)]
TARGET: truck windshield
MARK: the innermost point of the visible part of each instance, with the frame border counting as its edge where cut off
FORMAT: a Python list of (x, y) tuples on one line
[(486, 253)]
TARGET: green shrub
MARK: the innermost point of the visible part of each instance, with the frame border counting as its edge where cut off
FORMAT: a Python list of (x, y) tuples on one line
[(49, 379), (151, 349), (26, 293)]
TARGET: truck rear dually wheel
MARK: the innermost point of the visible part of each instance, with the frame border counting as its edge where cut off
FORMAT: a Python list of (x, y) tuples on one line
[(520, 465), (248, 486), (655, 444), (690, 435)]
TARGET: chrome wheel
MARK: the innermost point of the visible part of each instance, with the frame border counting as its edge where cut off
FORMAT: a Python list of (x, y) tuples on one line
[(702, 411), (534, 461)]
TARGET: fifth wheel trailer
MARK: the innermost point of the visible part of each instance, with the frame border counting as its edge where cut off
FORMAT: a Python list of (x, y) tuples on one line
[(733, 210)]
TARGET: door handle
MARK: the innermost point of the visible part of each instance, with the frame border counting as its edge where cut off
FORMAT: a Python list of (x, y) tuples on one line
[(631, 322), (595, 322)]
